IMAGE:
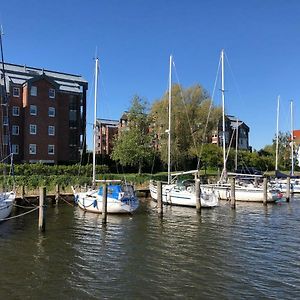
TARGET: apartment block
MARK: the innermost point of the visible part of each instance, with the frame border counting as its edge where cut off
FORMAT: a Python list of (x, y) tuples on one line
[(46, 114)]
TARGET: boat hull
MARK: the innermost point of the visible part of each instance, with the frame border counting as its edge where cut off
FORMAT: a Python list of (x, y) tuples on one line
[(91, 201), (246, 194), (6, 204), (172, 195)]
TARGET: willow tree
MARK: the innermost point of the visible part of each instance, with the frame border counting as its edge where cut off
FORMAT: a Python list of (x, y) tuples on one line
[(189, 125), (132, 146)]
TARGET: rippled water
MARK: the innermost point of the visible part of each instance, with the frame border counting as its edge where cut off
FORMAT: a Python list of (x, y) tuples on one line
[(252, 252)]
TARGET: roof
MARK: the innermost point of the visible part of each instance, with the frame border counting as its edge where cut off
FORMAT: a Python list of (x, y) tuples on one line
[(108, 122), (235, 121), (18, 74)]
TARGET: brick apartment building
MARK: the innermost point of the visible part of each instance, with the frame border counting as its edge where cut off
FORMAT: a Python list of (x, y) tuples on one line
[(46, 114)]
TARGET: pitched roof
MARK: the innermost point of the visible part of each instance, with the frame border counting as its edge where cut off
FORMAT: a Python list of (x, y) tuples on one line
[(18, 74)]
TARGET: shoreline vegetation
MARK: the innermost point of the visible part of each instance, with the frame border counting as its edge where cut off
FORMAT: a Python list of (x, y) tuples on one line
[(33, 176)]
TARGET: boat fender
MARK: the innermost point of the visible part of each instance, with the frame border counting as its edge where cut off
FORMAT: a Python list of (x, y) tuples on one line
[(76, 199), (95, 204)]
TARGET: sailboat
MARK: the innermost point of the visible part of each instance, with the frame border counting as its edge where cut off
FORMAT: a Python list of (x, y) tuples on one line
[(7, 198), (244, 191), (280, 181), (121, 198), (176, 192)]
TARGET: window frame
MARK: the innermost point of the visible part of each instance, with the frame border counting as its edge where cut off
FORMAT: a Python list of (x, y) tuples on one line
[(33, 88), (32, 126), (18, 93), (51, 108), (51, 146), (33, 113), (51, 127), (13, 111), (17, 128), (15, 147), (32, 146), (51, 93)]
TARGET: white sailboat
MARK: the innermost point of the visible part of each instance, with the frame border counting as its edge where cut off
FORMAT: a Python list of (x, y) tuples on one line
[(120, 197), (243, 191), (176, 192), (7, 198)]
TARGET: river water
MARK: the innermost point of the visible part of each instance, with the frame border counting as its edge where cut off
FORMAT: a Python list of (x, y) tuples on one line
[(252, 252)]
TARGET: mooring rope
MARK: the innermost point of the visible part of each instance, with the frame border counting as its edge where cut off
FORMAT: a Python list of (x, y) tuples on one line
[(62, 198), (21, 215)]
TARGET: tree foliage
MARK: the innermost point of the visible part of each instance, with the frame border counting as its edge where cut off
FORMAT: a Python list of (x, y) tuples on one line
[(132, 146), (190, 125)]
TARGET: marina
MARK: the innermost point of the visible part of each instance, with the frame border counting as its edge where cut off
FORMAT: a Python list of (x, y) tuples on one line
[(251, 251)]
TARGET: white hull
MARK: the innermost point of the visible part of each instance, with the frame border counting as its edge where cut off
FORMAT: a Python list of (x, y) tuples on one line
[(243, 193), (282, 186), (6, 204), (172, 195), (91, 201)]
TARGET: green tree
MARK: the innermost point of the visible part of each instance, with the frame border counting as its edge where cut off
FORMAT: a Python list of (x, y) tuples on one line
[(189, 126), (132, 146)]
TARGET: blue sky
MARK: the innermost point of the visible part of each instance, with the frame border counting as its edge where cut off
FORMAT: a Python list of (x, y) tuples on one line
[(261, 39)]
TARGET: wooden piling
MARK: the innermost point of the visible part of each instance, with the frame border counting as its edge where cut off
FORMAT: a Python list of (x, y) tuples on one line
[(232, 193), (159, 198), (56, 194), (265, 191), (23, 192), (288, 189), (42, 209), (198, 195), (104, 204)]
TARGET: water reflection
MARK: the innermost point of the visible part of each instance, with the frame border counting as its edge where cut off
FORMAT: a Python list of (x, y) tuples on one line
[(249, 252)]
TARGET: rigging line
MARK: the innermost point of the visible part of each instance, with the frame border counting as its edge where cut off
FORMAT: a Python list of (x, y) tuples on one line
[(211, 104), (185, 107), (233, 77)]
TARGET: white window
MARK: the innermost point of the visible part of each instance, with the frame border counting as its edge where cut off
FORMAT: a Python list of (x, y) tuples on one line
[(32, 129), (33, 110), (33, 90), (32, 148), (15, 111), (51, 111), (5, 120), (52, 93), (51, 149), (15, 148), (15, 130), (51, 130), (16, 92)]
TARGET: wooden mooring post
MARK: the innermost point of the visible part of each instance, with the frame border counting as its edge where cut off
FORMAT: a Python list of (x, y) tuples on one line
[(57, 190), (42, 209), (232, 193), (23, 192), (104, 204), (265, 191), (159, 199), (288, 189), (198, 195)]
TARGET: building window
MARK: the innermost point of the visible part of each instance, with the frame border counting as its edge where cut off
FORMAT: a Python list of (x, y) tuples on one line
[(5, 139), (33, 90), (32, 129), (51, 130), (51, 149), (33, 110), (15, 148), (15, 111), (16, 92), (52, 93), (51, 111), (5, 120), (32, 148), (15, 130)]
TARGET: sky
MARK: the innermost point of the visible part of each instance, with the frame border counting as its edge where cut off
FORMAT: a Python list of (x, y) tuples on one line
[(134, 39)]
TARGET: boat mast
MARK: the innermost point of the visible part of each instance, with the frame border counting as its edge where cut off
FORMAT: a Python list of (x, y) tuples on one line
[(292, 138), (236, 142), (95, 120), (170, 113), (277, 132), (223, 114)]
